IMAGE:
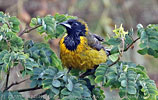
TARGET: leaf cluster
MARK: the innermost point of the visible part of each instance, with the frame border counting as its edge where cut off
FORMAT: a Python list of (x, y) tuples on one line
[(148, 40), (131, 80)]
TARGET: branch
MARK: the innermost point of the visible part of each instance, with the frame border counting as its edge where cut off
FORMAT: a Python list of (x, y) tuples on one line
[(114, 62), (8, 25), (88, 72), (15, 83), (29, 89), (124, 51), (27, 30), (7, 79), (131, 44), (41, 94)]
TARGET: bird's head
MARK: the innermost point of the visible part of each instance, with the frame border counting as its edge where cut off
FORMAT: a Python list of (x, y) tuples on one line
[(75, 27)]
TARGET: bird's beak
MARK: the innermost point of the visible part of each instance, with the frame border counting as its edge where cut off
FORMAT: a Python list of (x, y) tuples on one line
[(65, 24)]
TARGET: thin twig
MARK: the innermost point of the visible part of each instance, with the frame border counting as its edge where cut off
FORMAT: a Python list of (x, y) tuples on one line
[(41, 94), (15, 83), (124, 51), (29, 89), (114, 62), (27, 30), (8, 25), (7, 79), (131, 44), (88, 72)]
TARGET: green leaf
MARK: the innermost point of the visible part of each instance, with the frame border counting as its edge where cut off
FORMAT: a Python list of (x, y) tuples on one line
[(114, 41), (140, 29), (15, 24), (59, 18), (152, 52), (1, 14), (123, 83), (115, 49), (65, 91), (44, 54), (99, 93), (59, 30), (149, 41), (114, 57), (131, 90), (143, 51), (99, 79), (128, 40), (33, 22), (122, 92), (101, 73), (55, 90), (69, 85), (56, 83), (7, 95)]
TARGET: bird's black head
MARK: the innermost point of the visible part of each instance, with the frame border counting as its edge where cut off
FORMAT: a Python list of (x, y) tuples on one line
[(75, 27)]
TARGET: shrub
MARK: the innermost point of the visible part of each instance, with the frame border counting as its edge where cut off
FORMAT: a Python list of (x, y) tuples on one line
[(46, 71)]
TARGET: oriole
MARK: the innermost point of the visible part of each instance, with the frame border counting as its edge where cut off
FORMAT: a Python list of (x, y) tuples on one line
[(80, 49)]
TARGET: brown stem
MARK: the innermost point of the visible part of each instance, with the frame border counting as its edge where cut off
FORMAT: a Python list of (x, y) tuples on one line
[(41, 94), (27, 30), (131, 44), (15, 83), (8, 25), (124, 51), (114, 62), (7, 79), (29, 89)]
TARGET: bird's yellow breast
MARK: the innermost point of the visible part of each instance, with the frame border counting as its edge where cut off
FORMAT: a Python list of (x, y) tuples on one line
[(84, 57)]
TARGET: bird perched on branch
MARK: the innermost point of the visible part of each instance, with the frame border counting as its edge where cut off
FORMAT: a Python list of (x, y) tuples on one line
[(80, 49)]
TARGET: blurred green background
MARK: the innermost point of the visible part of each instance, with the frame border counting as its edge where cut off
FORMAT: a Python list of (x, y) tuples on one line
[(101, 16)]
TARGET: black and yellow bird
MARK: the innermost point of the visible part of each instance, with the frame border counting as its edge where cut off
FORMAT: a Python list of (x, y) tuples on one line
[(80, 49)]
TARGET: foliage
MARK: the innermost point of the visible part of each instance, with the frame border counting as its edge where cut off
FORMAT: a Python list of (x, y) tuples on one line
[(132, 80), (148, 40), (11, 96), (49, 25), (47, 73)]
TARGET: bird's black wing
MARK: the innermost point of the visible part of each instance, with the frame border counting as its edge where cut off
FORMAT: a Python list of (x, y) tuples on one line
[(99, 38), (94, 41)]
